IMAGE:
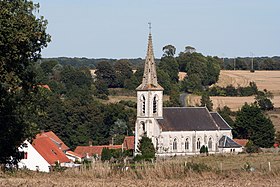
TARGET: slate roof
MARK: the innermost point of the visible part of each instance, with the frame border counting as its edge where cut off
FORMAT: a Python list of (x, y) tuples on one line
[(220, 121), (187, 119), (55, 139), (227, 142), (49, 151), (92, 150), (128, 143)]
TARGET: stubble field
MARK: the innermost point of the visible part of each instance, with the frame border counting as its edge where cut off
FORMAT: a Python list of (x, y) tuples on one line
[(269, 80), (222, 170)]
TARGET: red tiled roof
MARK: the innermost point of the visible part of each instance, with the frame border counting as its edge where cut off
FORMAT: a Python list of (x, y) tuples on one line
[(92, 150), (242, 142), (128, 142), (49, 151), (58, 142), (45, 86), (74, 154)]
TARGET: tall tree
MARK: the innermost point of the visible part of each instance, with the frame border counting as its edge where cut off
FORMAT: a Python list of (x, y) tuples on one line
[(123, 72), (169, 50), (205, 101), (146, 148), (22, 37), (106, 72), (252, 124)]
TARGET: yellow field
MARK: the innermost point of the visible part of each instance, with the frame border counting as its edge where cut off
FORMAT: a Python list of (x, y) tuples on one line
[(269, 80), (234, 103)]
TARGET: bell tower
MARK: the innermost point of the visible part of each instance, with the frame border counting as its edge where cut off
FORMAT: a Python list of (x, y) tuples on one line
[(149, 98)]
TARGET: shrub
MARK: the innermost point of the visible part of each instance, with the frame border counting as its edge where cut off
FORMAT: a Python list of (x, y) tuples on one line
[(106, 154), (251, 147), (204, 150)]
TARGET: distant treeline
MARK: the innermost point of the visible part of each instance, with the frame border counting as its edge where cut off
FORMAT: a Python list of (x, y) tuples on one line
[(245, 63), (240, 63), (92, 62)]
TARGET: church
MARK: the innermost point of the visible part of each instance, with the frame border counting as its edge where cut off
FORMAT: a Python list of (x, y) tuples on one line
[(177, 130)]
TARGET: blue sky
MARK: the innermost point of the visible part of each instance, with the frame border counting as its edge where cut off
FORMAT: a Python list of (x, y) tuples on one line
[(119, 28)]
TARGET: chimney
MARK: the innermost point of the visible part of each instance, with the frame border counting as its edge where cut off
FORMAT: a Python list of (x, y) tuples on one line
[(90, 142)]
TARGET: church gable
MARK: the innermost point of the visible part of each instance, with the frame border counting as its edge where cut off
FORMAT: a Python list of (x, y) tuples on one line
[(187, 119)]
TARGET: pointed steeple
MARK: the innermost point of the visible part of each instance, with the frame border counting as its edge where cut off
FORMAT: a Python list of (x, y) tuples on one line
[(149, 81)]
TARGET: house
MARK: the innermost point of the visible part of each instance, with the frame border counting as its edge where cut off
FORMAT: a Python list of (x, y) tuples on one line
[(47, 150), (50, 151), (32, 159), (55, 139), (74, 156), (175, 130), (128, 143), (94, 151)]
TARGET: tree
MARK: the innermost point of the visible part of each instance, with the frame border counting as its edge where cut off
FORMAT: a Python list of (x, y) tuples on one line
[(123, 72), (105, 72), (252, 124), (48, 66), (205, 101), (169, 51), (106, 154), (22, 37), (263, 100), (146, 148), (118, 131), (169, 65), (226, 114)]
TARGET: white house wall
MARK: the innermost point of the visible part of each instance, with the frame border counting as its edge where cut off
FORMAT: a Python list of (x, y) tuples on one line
[(34, 160)]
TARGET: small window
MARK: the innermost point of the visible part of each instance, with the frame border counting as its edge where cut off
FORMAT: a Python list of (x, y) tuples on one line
[(187, 144), (198, 144), (142, 126), (210, 144), (143, 104), (155, 103), (175, 144)]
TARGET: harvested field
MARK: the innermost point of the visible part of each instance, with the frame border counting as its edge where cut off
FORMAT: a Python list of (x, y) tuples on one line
[(222, 170), (269, 80), (234, 103)]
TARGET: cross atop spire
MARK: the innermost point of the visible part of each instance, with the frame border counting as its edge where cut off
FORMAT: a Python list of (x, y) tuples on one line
[(150, 27), (149, 81)]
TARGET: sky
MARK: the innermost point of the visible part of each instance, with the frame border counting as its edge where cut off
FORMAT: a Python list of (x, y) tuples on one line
[(119, 28)]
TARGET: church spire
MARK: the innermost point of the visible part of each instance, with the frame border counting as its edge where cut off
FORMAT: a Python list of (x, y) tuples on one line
[(149, 81)]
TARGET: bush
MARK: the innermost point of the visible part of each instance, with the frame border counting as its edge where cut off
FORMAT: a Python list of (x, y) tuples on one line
[(203, 149), (251, 147), (106, 154)]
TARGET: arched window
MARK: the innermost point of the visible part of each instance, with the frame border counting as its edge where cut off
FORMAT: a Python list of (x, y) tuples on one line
[(210, 144), (142, 126), (187, 144), (175, 144), (143, 100), (198, 144), (155, 103)]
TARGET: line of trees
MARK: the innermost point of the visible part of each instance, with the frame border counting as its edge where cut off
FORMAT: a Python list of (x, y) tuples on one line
[(260, 63)]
